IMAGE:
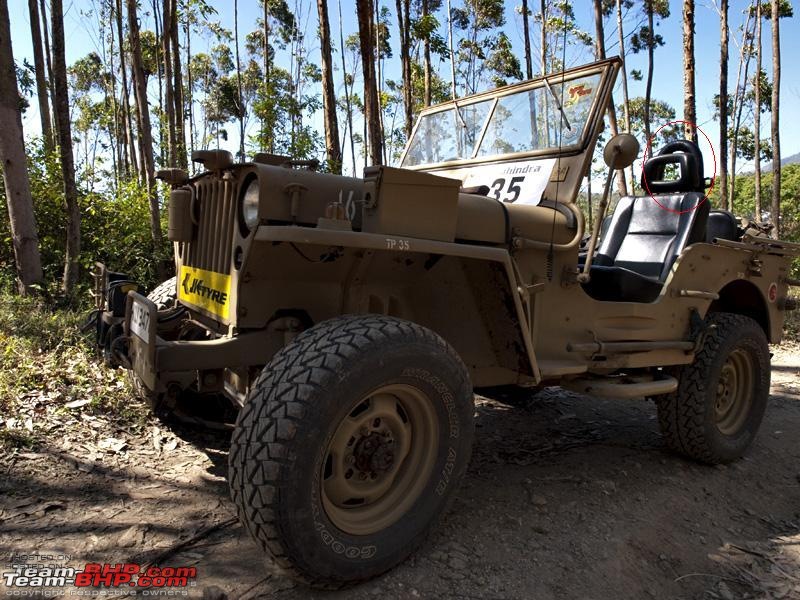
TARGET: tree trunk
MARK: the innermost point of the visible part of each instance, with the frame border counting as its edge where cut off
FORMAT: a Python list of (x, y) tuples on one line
[(776, 104), (543, 42), (650, 51), (404, 23), (189, 85), (328, 90), (48, 58), (61, 109), (452, 52), (267, 69), (366, 36), (723, 104), (169, 88), (163, 130), (689, 103), (347, 93), (757, 117), (120, 166), (426, 54), (376, 38), (526, 36), (625, 99), (126, 107), (179, 158), (600, 53), (15, 167), (738, 103), (143, 114), (239, 79), (41, 81)]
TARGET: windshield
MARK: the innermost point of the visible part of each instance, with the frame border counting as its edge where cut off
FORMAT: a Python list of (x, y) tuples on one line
[(524, 121)]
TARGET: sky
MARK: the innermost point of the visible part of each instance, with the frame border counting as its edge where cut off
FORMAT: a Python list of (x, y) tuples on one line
[(81, 38)]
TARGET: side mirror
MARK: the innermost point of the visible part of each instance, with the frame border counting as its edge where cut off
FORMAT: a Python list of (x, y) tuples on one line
[(621, 151)]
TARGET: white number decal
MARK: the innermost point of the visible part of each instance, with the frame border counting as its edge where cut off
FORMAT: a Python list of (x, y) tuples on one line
[(140, 322), (513, 188), (393, 244)]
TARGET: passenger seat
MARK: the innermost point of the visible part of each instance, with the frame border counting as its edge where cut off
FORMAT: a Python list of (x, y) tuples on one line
[(645, 237)]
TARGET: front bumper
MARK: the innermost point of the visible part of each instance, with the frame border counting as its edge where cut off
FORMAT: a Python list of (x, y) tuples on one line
[(133, 333), (156, 360)]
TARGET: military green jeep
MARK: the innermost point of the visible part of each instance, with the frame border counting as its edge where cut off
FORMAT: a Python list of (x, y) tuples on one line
[(351, 319)]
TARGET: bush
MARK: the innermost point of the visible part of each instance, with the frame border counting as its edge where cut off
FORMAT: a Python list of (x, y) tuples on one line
[(115, 227)]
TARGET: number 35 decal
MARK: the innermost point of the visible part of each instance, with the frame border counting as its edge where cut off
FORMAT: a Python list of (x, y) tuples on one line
[(499, 184)]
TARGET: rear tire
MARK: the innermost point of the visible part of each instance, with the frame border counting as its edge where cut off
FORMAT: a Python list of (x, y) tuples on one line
[(350, 446), (716, 412)]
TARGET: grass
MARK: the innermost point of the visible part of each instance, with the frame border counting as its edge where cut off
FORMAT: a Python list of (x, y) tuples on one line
[(46, 363)]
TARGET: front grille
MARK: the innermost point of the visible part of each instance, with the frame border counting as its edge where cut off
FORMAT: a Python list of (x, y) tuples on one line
[(215, 209)]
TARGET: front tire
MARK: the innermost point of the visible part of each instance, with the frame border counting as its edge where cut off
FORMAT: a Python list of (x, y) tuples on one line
[(350, 445), (715, 414)]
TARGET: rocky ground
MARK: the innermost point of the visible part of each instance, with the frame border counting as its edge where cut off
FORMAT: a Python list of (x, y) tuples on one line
[(567, 497)]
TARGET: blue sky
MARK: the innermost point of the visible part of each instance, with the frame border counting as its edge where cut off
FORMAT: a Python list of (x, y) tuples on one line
[(82, 37)]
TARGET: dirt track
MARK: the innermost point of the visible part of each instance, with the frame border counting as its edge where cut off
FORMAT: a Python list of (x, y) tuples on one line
[(567, 497)]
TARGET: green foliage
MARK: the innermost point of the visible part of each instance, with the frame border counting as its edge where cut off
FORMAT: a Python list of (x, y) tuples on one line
[(746, 144), (483, 54), (559, 20), (644, 39), (25, 84), (661, 113), (115, 227)]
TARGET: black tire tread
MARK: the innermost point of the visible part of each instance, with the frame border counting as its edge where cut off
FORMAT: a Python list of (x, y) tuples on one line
[(681, 415), (273, 421), (164, 294)]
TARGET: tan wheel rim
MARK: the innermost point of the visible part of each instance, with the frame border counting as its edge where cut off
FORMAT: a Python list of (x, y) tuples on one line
[(734, 392), (379, 459)]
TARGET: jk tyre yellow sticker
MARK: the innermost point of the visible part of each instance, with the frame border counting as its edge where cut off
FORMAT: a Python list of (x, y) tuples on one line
[(205, 289)]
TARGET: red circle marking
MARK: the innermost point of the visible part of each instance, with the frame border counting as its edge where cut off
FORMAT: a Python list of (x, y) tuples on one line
[(648, 151), (773, 292)]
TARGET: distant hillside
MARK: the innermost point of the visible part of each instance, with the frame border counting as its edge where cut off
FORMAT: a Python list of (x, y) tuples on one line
[(789, 160)]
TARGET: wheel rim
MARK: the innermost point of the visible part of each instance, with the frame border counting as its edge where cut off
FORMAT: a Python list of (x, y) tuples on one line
[(734, 392), (379, 459)]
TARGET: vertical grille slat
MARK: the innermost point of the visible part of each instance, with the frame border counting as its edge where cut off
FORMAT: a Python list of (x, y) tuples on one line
[(211, 248), (228, 222), (219, 225), (205, 242)]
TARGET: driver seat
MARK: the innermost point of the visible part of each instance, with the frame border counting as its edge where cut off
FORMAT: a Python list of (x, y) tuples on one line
[(645, 237)]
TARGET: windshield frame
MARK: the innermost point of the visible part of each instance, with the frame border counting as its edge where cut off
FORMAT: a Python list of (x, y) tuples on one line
[(605, 68)]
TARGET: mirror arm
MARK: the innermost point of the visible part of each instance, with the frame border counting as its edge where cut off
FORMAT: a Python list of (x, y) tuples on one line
[(585, 277)]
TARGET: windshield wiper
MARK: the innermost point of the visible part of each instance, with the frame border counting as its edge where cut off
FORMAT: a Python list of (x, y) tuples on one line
[(558, 103)]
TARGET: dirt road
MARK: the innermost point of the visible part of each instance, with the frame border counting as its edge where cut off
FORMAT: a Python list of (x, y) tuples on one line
[(567, 497)]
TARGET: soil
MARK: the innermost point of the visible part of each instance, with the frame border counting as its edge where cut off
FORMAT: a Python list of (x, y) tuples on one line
[(566, 497)]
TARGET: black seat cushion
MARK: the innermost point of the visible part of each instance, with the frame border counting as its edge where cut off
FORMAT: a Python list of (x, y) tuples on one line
[(643, 240), (722, 225), (618, 284)]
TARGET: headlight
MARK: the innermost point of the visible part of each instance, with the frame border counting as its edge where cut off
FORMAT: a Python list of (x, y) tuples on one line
[(250, 205)]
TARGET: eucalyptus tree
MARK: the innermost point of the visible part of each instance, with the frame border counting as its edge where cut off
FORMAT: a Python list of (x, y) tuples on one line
[(64, 127), (646, 39), (24, 236)]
